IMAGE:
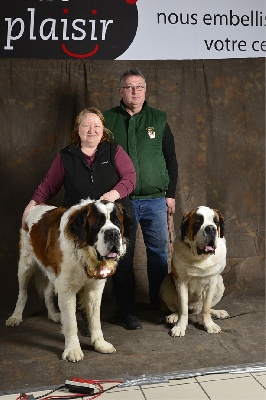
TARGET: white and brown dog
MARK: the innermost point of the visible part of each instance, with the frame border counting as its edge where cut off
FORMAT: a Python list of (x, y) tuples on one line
[(195, 284), (76, 249)]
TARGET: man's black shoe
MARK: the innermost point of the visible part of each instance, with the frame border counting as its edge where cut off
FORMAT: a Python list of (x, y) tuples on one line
[(131, 322)]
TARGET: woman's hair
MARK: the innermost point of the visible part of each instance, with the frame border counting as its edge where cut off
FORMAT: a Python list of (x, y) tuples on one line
[(75, 139)]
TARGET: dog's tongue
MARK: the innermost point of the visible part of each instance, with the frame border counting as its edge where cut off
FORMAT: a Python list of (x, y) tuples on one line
[(206, 250), (112, 255), (209, 248)]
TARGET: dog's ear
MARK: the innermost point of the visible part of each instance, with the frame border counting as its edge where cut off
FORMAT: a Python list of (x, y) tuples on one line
[(128, 224), (78, 225), (184, 225), (127, 221), (221, 223)]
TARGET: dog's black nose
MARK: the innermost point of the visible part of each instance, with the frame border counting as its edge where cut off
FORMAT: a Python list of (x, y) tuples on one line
[(111, 234), (210, 229)]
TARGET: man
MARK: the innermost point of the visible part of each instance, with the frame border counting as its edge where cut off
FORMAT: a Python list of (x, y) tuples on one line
[(145, 135)]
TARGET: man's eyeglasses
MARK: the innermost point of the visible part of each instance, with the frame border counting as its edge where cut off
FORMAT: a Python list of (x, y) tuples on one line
[(129, 88)]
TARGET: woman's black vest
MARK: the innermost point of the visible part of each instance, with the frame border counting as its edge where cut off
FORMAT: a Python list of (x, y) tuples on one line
[(83, 181)]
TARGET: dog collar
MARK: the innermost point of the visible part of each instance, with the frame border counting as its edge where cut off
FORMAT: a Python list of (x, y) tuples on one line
[(101, 272)]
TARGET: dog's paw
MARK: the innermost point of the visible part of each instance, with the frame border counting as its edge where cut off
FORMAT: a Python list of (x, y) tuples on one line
[(104, 347), (73, 355), (12, 321), (221, 314), (178, 331), (213, 328), (172, 318), (56, 317)]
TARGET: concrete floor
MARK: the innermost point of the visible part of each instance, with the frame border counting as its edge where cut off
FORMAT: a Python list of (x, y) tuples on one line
[(31, 352)]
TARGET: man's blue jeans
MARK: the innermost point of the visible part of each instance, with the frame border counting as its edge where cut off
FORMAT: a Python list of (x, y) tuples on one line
[(151, 214)]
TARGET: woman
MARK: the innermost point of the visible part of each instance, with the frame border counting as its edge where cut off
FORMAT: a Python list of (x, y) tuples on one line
[(93, 166)]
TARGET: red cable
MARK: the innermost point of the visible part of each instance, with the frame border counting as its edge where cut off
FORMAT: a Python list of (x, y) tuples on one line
[(90, 381)]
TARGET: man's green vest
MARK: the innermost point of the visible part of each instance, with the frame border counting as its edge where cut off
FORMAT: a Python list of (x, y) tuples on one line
[(141, 136)]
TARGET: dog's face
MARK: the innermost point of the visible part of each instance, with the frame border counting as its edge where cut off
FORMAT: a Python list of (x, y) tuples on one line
[(200, 228), (102, 226)]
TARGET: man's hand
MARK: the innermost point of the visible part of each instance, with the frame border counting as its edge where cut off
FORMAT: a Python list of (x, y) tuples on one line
[(170, 205)]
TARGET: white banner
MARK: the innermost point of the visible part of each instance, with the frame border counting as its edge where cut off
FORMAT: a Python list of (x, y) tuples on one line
[(198, 29)]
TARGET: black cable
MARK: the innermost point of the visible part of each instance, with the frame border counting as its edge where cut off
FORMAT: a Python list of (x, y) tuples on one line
[(51, 391)]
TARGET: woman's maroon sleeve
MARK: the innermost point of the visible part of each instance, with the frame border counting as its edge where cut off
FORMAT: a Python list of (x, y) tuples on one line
[(126, 172)]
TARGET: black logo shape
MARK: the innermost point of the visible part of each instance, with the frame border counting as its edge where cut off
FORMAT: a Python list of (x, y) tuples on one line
[(63, 29)]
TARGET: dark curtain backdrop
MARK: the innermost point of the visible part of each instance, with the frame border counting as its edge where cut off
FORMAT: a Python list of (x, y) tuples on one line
[(216, 110)]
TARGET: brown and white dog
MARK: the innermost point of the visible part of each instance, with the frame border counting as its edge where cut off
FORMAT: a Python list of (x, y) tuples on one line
[(76, 249), (195, 284)]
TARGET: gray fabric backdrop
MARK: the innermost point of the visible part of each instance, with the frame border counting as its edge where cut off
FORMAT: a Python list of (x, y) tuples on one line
[(216, 109)]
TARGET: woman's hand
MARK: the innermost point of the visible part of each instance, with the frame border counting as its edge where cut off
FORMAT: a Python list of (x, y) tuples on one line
[(26, 212), (112, 196)]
